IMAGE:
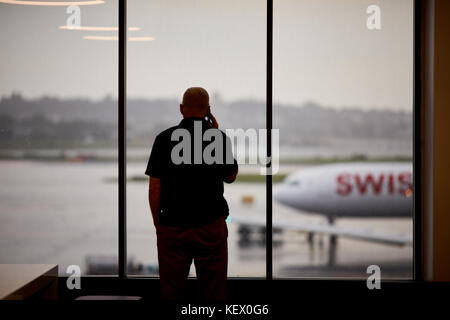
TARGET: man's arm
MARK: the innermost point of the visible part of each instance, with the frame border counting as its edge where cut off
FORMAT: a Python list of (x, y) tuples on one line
[(231, 178), (154, 198), (230, 169)]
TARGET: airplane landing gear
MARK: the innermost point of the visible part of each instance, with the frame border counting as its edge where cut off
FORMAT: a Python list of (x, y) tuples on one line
[(332, 245), (249, 237)]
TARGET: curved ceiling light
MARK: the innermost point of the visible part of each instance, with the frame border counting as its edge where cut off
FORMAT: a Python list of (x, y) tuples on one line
[(87, 28), (108, 38), (141, 39), (53, 3)]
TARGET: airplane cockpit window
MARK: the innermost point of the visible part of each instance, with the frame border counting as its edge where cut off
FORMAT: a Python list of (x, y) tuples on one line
[(293, 182)]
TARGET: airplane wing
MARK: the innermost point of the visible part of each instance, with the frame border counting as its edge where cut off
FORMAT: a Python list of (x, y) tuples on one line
[(366, 235)]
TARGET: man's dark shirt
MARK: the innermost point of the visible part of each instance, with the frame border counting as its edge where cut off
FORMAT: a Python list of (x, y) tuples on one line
[(191, 194)]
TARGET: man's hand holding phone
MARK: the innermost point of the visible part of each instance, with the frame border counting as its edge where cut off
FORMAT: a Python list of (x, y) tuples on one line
[(212, 122)]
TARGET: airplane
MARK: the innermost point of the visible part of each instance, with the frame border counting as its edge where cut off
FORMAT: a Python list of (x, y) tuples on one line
[(351, 190)]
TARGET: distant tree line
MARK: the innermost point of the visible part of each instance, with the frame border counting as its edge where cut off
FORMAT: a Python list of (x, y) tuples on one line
[(48, 121), (40, 131)]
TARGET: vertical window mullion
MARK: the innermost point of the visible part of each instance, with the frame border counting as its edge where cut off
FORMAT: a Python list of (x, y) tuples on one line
[(269, 44), (122, 139), (417, 153)]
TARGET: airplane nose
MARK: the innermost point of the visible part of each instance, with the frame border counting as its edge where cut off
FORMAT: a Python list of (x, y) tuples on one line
[(277, 192), (285, 194)]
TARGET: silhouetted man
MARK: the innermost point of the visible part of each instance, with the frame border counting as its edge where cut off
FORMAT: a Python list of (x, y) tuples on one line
[(187, 167)]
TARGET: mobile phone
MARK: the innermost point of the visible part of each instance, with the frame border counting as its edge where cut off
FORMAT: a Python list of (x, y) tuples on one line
[(208, 118)]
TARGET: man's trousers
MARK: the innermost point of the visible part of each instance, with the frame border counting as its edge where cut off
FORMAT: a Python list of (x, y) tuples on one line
[(207, 246)]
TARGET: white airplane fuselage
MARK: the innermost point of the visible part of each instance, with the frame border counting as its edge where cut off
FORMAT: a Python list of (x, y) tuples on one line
[(350, 190)]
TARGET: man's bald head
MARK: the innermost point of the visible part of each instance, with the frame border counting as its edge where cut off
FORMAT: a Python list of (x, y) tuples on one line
[(195, 102)]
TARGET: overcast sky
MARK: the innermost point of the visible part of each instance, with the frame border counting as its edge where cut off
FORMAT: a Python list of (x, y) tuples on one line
[(323, 51)]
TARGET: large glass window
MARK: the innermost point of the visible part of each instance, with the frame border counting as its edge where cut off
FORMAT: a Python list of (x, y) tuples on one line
[(218, 45), (58, 136), (343, 101)]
